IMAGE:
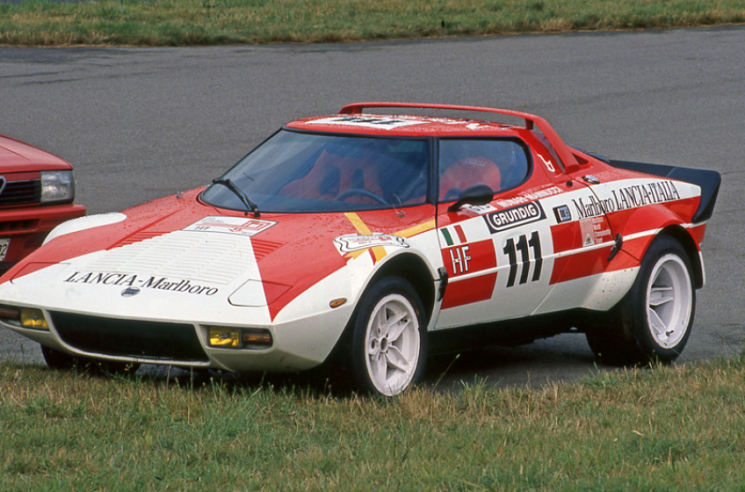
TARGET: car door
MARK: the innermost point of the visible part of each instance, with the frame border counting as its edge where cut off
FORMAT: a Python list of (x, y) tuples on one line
[(499, 257)]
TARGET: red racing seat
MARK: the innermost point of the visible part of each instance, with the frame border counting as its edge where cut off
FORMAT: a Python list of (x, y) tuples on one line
[(469, 172)]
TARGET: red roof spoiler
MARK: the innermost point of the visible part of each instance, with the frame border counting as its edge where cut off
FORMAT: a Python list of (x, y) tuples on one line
[(531, 121)]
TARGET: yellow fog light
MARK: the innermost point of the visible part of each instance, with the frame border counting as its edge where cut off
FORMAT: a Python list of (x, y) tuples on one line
[(33, 318), (240, 338), (224, 337)]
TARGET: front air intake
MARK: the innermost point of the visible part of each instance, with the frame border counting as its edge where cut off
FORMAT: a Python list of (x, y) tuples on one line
[(158, 341)]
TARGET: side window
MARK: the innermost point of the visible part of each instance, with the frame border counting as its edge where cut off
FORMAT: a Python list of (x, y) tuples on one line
[(500, 164)]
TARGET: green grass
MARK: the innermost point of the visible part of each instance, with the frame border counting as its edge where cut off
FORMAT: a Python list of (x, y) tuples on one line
[(676, 428), (210, 22)]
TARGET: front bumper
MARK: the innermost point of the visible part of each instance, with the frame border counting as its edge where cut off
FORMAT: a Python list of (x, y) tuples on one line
[(297, 345)]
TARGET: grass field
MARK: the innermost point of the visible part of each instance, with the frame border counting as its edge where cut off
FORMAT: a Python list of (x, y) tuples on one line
[(679, 428), (211, 22)]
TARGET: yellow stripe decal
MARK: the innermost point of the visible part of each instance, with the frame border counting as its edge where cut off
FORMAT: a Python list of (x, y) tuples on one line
[(358, 224), (417, 229), (378, 251)]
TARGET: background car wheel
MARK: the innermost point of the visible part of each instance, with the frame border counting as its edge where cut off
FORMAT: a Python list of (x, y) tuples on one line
[(62, 362), (389, 340), (653, 322)]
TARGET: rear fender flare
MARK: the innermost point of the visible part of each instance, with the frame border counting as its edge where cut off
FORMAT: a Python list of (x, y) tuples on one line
[(671, 226)]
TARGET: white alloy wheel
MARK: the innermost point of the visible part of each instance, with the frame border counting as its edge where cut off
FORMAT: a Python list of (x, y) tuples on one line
[(392, 344), (669, 301)]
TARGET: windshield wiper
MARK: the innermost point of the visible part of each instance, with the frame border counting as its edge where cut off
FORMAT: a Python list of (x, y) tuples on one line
[(228, 183)]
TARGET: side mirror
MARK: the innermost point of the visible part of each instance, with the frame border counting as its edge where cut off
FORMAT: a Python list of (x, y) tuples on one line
[(475, 195)]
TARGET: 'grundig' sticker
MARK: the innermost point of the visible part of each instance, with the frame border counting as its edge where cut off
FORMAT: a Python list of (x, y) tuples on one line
[(515, 216), (354, 242)]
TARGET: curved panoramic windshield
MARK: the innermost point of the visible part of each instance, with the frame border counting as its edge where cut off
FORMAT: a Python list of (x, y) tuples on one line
[(303, 172)]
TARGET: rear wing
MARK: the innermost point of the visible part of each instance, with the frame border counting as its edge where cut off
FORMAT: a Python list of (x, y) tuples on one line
[(531, 121), (708, 181)]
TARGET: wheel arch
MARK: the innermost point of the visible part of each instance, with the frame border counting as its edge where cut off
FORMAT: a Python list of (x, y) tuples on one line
[(413, 269), (671, 226), (409, 266), (681, 235)]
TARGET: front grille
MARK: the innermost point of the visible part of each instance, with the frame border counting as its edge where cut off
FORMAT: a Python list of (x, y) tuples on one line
[(129, 338), (21, 193)]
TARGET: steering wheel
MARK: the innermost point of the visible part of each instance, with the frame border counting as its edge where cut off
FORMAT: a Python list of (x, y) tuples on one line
[(364, 193)]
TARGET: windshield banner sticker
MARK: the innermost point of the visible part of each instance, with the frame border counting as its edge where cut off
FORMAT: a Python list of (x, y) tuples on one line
[(353, 242), (231, 225), (366, 121), (515, 216)]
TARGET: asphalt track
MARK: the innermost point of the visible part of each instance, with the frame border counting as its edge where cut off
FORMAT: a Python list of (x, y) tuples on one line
[(142, 123)]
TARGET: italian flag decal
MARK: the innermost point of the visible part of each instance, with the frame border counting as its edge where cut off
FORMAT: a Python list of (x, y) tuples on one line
[(453, 235)]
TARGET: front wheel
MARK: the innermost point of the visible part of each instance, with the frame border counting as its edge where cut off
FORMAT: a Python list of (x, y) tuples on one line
[(654, 320), (389, 340)]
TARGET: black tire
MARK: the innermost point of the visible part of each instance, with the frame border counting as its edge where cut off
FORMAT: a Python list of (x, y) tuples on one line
[(381, 365), (61, 361), (653, 322)]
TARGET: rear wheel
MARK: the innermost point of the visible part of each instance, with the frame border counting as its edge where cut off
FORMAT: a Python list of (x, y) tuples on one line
[(654, 320), (389, 340)]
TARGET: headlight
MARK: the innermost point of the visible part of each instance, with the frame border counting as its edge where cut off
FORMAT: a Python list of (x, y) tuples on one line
[(57, 186)]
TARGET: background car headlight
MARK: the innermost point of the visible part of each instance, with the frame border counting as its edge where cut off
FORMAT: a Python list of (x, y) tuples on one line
[(57, 186)]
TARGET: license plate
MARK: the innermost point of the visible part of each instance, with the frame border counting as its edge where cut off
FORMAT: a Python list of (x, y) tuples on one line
[(4, 246)]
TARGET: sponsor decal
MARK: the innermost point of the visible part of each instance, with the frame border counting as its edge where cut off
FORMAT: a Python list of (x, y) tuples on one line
[(515, 216), (531, 196), (231, 225), (627, 197), (594, 230), (547, 162), (370, 121), (355, 242), (469, 258), (562, 214), (134, 283), (130, 291), (479, 209)]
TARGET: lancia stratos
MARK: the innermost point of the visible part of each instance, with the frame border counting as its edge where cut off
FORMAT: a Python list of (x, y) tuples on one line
[(371, 239)]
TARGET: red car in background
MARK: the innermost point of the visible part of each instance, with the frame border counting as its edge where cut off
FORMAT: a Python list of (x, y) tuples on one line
[(37, 190)]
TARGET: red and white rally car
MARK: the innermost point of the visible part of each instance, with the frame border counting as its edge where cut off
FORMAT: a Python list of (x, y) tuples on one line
[(373, 240), (37, 190)]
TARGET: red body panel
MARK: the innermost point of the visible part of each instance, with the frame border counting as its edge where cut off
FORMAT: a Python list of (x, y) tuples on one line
[(26, 226)]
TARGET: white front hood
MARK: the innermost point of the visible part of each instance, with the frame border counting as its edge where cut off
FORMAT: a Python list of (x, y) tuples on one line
[(182, 275)]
